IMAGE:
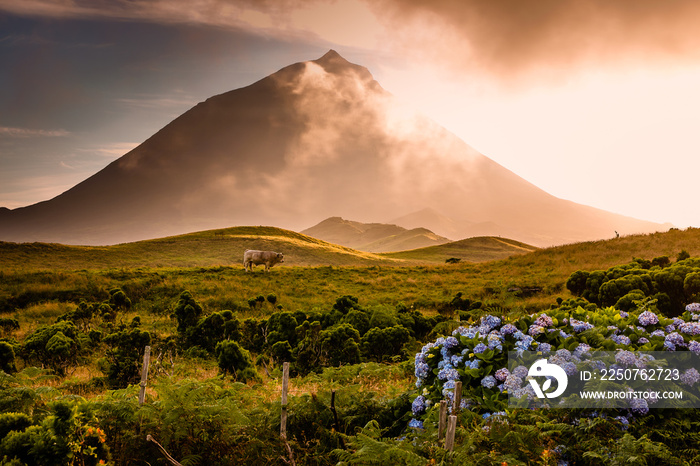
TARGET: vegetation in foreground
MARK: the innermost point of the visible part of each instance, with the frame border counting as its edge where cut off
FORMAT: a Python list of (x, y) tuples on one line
[(214, 383)]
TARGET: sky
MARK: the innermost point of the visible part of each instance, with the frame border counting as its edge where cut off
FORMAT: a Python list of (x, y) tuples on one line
[(594, 101)]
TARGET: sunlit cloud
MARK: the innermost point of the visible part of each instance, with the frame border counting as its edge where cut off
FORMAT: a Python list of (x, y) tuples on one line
[(9, 131), (114, 150), (14, 195), (512, 38)]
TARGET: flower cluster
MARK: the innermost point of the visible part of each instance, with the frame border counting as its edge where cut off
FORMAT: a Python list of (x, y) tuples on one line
[(648, 318), (477, 354)]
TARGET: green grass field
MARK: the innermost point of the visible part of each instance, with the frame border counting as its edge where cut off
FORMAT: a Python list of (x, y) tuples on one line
[(41, 282)]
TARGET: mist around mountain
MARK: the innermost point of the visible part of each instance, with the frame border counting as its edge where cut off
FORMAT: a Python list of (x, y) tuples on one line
[(314, 140)]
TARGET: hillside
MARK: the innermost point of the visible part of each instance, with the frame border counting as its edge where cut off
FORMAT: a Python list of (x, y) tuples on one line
[(203, 249), (479, 249), (373, 237)]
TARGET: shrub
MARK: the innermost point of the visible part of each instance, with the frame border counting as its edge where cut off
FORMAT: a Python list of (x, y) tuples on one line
[(212, 329), (235, 361), (339, 345), (54, 345), (187, 312), (125, 356), (7, 358), (379, 343), (8, 325)]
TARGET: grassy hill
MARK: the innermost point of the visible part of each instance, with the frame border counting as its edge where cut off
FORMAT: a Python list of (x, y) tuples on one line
[(226, 246), (201, 249), (373, 237), (478, 249)]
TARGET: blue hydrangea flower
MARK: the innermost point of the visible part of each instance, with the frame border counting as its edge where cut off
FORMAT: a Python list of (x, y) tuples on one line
[(658, 333), (624, 421), (690, 328), (502, 374), (535, 330), (520, 371), (675, 339), (451, 342), (544, 321), (624, 315), (580, 326), (474, 364), (621, 339), (694, 346), (456, 360), (563, 334), (512, 382), (581, 349), (639, 406), (564, 353), (480, 348), (614, 329), (489, 322), (448, 373), (693, 307), (648, 318), (670, 328), (415, 424), (569, 368), (489, 381), (418, 405), (495, 340), (643, 341), (422, 370), (690, 377), (625, 358), (508, 329), (545, 348), (469, 332), (522, 346)]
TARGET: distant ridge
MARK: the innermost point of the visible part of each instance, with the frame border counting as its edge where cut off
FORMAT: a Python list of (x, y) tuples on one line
[(476, 249), (373, 237)]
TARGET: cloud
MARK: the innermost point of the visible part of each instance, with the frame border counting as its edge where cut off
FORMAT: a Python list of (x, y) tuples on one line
[(31, 133), (509, 38), (212, 12), (114, 150)]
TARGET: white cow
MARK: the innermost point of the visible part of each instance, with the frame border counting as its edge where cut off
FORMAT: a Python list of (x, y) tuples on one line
[(253, 257)]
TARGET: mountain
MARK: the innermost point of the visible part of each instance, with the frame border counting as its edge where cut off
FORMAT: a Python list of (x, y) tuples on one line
[(373, 237), (314, 140)]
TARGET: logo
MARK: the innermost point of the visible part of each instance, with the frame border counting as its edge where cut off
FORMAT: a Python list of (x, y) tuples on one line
[(541, 368)]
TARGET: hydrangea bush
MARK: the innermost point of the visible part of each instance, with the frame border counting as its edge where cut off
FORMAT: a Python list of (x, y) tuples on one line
[(477, 355)]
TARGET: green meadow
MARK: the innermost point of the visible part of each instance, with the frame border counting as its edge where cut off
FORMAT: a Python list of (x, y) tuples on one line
[(349, 321)]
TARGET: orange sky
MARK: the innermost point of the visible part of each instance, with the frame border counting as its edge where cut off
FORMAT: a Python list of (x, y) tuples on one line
[(593, 101)]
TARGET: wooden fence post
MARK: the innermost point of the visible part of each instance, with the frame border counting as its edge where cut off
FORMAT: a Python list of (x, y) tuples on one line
[(457, 399), (451, 428), (442, 422), (285, 385), (144, 374)]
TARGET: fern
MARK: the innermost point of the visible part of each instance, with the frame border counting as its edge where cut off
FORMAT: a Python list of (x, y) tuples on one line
[(367, 448)]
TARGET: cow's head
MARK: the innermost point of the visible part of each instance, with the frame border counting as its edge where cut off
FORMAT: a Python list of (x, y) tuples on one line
[(280, 257)]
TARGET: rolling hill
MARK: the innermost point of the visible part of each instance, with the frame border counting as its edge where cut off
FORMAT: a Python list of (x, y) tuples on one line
[(222, 247), (225, 247), (373, 237), (477, 249)]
